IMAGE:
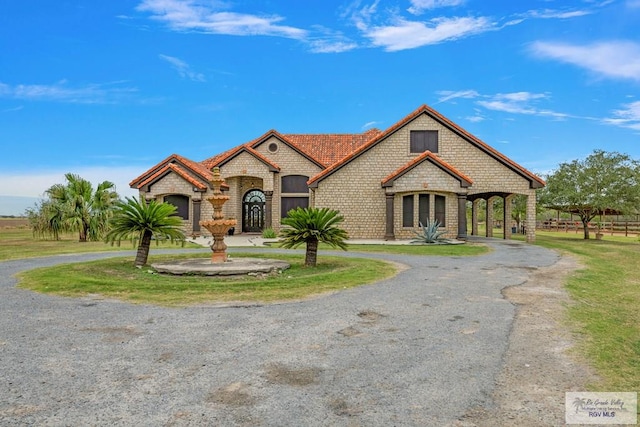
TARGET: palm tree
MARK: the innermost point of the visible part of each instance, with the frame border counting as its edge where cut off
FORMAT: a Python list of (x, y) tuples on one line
[(139, 220), (82, 209), (311, 226)]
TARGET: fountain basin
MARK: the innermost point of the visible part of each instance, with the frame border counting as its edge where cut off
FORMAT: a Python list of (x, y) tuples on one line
[(218, 226), (232, 267)]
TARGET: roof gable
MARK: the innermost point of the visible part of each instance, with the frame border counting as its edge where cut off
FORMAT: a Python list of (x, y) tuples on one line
[(195, 172), (535, 181), (222, 158), (464, 180)]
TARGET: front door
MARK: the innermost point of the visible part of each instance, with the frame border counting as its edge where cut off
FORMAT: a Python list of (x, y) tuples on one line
[(253, 209)]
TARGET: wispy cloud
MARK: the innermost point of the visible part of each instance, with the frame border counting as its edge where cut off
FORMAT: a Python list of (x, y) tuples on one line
[(627, 117), (369, 125), (211, 17), (183, 68), (448, 95), (103, 93), (520, 103), (8, 110), (403, 34), (511, 102), (330, 41), (419, 6), (613, 59), (557, 14)]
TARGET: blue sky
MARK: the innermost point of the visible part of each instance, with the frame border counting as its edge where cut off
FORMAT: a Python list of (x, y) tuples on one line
[(106, 89)]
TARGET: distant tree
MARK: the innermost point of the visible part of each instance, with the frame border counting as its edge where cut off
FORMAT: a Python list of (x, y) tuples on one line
[(311, 226), (604, 180), (46, 219), (138, 220), (84, 210)]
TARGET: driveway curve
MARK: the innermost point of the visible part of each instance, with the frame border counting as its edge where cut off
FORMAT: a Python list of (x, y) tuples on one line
[(418, 349)]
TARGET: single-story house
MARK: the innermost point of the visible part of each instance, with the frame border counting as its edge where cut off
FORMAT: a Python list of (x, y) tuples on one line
[(384, 183)]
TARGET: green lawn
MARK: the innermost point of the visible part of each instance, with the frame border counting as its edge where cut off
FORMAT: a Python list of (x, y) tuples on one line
[(113, 278)]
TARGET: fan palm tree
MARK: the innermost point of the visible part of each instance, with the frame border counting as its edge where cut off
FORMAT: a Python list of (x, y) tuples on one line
[(138, 220), (82, 209), (312, 226)]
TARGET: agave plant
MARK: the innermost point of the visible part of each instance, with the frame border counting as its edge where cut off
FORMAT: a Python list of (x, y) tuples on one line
[(431, 233)]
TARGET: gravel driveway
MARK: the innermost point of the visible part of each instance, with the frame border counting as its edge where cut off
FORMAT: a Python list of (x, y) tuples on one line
[(419, 349)]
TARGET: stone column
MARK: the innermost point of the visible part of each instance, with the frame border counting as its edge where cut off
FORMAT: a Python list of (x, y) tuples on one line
[(268, 205), (462, 216), (531, 217), (474, 217), (507, 208), (390, 233), (489, 217)]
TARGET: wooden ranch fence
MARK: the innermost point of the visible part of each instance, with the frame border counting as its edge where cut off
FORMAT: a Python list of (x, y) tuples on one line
[(625, 228)]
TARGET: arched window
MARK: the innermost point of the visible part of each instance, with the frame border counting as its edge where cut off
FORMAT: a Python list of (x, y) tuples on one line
[(181, 203), (253, 211)]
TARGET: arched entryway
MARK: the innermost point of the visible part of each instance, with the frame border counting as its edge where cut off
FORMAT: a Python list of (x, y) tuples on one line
[(253, 211)]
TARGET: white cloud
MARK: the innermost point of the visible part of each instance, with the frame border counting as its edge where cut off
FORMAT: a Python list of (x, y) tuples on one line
[(633, 4), (556, 14), (105, 93), (614, 59), (627, 117), (405, 34), (369, 125), (448, 95), (418, 6), (520, 103), (183, 68), (8, 110), (34, 183), (210, 17)]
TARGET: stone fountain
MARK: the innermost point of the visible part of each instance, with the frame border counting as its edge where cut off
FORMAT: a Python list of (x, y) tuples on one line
[(219, 265), (218, 226)]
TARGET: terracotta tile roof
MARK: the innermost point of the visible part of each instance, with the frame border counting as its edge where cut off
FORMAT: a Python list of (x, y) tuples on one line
[(465, 181), (424, 109), (329, 148)]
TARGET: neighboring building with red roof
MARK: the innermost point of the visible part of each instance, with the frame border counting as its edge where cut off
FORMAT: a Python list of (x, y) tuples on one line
[(384, 183)]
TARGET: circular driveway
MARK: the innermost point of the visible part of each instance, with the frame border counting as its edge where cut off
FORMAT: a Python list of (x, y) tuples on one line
[(419, 349)]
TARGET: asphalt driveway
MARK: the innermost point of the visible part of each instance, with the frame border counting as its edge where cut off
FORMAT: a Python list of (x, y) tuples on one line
[(419, 349)]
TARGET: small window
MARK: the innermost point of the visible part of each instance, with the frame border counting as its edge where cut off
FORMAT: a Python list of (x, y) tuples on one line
[(407, 211), (273, 147), (181, 203), (289, 203), (295, 184), (423, 140), (440, 206)]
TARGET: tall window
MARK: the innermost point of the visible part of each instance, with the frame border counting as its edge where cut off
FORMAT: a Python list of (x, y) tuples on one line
[(295, 193), (423, 140), (423, 208), (440, 206), (181, 203), (407, 211)]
